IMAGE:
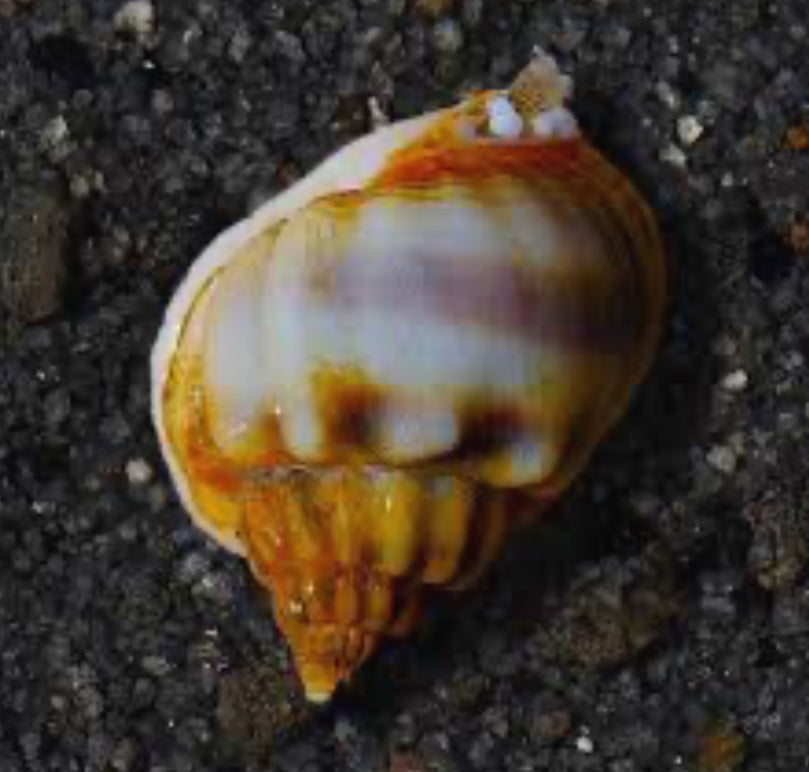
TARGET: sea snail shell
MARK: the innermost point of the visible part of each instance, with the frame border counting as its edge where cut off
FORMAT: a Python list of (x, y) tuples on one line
[(366, 384)]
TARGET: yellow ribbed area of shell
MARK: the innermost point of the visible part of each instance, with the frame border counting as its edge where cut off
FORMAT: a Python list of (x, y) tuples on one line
[(348, 555)]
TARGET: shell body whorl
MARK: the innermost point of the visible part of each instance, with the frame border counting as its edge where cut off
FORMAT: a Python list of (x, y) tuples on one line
[(365, 386)]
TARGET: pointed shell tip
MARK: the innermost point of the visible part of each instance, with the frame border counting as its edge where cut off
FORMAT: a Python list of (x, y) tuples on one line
[(317, 691), (318, 697)]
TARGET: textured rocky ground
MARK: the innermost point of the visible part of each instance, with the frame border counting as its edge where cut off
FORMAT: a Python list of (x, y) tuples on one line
[(659, 622)]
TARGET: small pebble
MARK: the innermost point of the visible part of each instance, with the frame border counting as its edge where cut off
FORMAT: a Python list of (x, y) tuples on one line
[(551, 724), (156, 665), (80, 187), (735, 381), (722, 458), (472, 12), (797, 137), (54, 132), (33, 245), (136, 17), (667, 95), (798, 236), (406, 762), (689, 130), (674, 155), (377, 114), (344, 730), (290, 47), (162, 102), (239, 45), (124, 756), (447, 36), (138, 471), (433, 7)]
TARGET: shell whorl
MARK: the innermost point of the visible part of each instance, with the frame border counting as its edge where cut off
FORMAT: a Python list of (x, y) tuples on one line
[(350, 552)]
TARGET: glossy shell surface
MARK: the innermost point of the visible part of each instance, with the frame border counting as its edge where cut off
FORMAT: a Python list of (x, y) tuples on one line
[(365, 385)]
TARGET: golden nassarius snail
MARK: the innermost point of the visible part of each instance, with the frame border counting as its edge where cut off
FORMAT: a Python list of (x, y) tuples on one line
[(365, 385)]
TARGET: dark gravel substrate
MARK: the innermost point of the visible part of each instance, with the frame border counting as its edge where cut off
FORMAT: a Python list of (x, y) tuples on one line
[(659, 622)]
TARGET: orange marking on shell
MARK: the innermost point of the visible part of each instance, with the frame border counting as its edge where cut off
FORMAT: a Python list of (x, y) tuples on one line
[(465, 161)]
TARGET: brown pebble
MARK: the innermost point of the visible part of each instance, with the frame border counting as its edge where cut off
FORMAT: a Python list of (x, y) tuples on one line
[(406, 762), (779, 548), (434, 7), (33, 253), (797, 137), (553, 725), (609, 618), (799, 236), (258, 707), (721, 749)]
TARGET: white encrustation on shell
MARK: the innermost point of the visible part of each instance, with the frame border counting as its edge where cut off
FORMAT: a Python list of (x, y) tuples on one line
[(557, 122), (504, 120)]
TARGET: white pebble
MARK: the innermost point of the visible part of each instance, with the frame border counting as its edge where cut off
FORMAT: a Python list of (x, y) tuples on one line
[(667, 95), (504, 120), (735, 381), (54, 132), (689, 130), (377, 115), (674, 156), (136, 16), (584, 744), (557, 122), (448, 36), (138, 471), (722, 458)]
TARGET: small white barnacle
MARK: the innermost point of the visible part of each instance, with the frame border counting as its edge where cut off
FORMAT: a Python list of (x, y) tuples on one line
[(504, 120)]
